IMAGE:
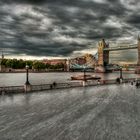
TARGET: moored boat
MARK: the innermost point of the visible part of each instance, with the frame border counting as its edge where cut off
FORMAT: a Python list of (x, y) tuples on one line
[(85, 77)]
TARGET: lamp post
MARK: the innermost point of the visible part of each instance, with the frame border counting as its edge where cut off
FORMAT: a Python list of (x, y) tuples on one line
[(27, 85), (121, 77), (84, 74), (84, 78), (27, 75)]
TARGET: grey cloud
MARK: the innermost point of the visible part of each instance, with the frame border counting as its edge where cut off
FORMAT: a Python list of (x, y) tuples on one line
[(32, 32), (134, 20)]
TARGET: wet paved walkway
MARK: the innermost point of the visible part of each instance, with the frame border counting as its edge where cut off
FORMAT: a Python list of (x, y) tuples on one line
[(93, 113)]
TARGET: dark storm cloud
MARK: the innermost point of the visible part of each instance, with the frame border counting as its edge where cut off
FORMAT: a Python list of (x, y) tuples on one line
[(24, 1), (58, 28), (134, 20)]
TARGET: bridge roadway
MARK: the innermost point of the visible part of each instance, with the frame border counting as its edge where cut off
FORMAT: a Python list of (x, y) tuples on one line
[(93, 113), (121, 48)]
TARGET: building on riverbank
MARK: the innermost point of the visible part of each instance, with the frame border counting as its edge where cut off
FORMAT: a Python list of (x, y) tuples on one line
[(56, 62)]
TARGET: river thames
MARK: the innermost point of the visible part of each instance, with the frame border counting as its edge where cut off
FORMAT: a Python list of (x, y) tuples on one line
[(15, 79), (110, 112)]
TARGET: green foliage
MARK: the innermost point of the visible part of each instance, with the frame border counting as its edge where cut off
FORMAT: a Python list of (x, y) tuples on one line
[(14, 63), (29, 63), (3, 62), (57, 66), (48, 66), (9, 63), (38, 65)]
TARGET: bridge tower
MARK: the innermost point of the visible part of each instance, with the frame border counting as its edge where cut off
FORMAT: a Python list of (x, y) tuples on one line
[(138, 51), (138, 63), (103, 56)]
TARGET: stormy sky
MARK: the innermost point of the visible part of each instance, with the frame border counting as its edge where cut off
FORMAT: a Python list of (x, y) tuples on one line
[(67, 28)]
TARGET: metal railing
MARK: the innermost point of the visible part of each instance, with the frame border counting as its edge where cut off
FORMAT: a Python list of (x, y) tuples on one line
[(41, 87), (11, 89), (56, 86)]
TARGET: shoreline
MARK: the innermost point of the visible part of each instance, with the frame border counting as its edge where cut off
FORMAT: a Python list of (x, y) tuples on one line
[(130, 71), (23, 89)]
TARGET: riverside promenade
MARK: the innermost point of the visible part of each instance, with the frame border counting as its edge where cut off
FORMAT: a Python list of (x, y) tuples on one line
[(110, 112), (72, 84)]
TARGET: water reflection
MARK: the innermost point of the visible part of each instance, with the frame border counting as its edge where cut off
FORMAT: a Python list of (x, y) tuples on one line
[(27, 98)]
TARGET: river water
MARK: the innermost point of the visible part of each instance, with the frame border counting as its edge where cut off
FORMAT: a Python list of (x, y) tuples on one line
[(15, 79)]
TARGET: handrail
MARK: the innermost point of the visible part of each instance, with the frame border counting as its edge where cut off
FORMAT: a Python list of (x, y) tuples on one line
[(19, 89)]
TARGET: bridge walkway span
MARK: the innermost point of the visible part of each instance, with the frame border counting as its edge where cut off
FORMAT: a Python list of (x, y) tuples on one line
[(121, 48)]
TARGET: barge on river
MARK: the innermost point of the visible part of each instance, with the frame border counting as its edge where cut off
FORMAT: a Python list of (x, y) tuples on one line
[(85, 77)]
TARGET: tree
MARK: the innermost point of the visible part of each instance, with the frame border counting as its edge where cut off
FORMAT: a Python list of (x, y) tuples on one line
[(29, 63), (59, 66), (15, 64), (39, 65), (48, 66), (3, 62), (21, 64), (9, 63)]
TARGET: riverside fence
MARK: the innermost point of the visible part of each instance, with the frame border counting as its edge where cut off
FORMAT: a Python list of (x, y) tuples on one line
[(41, 87)]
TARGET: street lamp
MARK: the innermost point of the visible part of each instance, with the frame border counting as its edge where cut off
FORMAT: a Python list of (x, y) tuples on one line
[(27, 75), (84, 78), (121, 77), (84, 73)]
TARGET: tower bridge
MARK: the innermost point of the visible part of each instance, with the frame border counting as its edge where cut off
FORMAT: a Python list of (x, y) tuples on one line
[(101, 58), (104, 49)]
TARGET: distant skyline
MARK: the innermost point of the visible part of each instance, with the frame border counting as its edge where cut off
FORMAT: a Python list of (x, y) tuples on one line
[(36, 29)]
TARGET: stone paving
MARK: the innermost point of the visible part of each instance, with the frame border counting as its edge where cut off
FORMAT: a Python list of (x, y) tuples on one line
[(92, 113)]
